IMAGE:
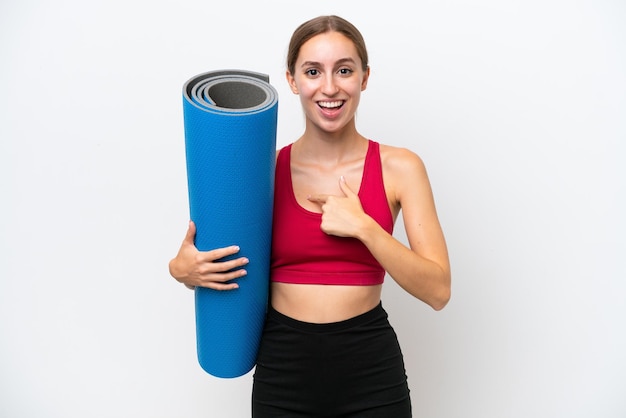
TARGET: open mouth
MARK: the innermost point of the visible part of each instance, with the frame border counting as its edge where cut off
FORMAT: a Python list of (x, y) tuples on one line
[(336, 104)]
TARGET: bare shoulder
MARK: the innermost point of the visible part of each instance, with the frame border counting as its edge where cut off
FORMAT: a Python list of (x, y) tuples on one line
[(398, 161), (404, 174)]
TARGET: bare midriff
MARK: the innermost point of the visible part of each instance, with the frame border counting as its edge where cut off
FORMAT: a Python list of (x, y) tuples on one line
[(323, 303)]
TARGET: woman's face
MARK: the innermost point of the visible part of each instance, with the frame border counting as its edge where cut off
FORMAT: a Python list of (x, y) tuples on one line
[(329, 79)]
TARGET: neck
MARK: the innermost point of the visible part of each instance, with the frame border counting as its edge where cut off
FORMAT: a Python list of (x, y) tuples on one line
[(328, 153), (324, 146)]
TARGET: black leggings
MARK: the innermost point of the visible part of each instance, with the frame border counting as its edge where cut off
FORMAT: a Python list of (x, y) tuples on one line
[(352, 368)]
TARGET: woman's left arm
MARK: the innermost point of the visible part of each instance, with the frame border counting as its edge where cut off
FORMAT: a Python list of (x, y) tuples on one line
[(423, 268)]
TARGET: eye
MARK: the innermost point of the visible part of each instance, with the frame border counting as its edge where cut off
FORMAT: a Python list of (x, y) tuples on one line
[(345, 71), (312, 72)]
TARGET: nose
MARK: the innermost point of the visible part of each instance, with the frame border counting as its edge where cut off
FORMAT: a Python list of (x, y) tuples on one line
[(329, 86)]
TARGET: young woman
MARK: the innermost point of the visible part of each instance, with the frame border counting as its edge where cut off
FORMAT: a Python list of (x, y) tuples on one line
[(328, 349)]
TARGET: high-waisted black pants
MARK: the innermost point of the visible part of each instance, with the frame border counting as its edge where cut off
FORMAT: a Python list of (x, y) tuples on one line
[(347, 369)]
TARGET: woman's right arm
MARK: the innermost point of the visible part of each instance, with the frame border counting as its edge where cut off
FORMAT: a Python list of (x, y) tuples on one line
[(200, 268)]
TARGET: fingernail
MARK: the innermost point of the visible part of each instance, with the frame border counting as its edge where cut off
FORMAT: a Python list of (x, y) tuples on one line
[(343, 179)]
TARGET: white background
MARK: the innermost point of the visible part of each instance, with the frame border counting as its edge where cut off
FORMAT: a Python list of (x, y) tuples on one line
[(517, 107)]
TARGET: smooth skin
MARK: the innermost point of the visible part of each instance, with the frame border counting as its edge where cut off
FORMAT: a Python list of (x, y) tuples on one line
[(327, 166)]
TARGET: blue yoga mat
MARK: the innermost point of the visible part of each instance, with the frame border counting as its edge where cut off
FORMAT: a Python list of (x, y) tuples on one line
[(230, 120)]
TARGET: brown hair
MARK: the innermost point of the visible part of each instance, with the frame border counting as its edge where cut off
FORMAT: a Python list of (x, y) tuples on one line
[(323, 24)]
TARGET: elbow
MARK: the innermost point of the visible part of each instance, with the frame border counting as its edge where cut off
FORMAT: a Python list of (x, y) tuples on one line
[(440, 302), (435, 294), (439, 305), (442, 297)]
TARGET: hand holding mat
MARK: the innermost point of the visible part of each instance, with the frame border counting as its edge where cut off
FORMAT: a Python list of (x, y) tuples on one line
[(230, 120)]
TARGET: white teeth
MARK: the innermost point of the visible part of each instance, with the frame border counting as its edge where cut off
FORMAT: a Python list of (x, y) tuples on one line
[(331, 104)]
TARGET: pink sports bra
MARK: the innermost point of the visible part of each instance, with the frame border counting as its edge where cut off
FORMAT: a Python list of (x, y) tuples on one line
[(302, 253)]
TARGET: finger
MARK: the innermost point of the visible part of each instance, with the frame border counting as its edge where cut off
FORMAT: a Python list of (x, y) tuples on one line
[(225, 287), (318, 198), (218, 253), (223, 281), (222, 287), (223, 266), (191, 233), (345, 188)]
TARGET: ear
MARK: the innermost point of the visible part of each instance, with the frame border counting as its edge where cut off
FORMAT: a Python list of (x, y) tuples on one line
[(292, 82), (366, 76)]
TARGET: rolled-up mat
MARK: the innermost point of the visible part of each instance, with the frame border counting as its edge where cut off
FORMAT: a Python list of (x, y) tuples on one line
[(230, 120)]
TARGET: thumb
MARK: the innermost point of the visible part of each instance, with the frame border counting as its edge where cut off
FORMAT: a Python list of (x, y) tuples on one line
[(191, 233), (345, 188)]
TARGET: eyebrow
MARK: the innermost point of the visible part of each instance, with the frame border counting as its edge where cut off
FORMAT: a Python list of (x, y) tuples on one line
[(339, 62)]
